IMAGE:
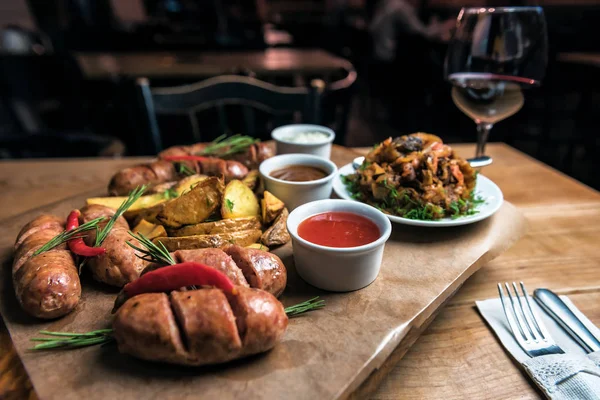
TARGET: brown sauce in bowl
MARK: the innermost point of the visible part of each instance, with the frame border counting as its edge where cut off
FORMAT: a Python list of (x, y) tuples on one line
[(298, 173)]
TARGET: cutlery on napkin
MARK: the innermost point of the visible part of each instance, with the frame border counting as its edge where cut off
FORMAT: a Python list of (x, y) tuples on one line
[(569, 376)]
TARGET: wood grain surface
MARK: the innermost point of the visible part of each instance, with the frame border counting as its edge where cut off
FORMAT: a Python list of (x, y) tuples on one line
[(457, 356)]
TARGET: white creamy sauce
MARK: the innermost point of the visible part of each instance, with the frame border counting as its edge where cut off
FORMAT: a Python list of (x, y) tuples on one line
[(306, 137)]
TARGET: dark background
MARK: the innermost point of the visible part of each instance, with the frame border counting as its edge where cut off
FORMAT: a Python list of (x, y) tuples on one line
[(49, 108)]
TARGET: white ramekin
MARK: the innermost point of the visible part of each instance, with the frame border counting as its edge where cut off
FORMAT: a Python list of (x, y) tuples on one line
[(321, 149), (294, 194), (332, 268)]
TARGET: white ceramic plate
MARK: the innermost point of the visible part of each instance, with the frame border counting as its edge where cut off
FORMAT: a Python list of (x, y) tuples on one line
[(485, 188)]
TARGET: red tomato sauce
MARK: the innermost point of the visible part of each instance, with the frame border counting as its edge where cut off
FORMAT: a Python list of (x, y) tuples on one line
[(338, 229)]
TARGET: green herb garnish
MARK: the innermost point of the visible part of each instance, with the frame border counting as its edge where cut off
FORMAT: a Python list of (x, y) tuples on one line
[(65, 236), (69, 340), (185, 170), (400, 203), (151, 252), (229, 204), (308, 305), (170, 194), (226, 146), (133, 197)]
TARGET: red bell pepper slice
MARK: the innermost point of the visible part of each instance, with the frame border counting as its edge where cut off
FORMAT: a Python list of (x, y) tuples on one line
[(175, 276), (77, 245)]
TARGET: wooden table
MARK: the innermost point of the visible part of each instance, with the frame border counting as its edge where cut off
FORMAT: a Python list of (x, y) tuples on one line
[(457, 356), (269, 62)]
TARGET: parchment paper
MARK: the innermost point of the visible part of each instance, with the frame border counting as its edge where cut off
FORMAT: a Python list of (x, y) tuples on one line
[(324, 355)]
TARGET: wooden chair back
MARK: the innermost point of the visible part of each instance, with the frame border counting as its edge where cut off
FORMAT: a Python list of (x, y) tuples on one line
[(250, 93)]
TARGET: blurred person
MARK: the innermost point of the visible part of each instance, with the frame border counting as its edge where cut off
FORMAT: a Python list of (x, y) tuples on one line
[(394, 17)]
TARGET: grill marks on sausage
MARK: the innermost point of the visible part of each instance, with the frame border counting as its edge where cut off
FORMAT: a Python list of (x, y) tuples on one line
[(215, 258), (244, 266), (178, 318), (261, 269), (146, 328), (263, 319), (208, 325), (211, 327)]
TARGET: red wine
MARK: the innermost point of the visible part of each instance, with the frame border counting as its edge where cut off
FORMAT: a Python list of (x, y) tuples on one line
[(488, 98)]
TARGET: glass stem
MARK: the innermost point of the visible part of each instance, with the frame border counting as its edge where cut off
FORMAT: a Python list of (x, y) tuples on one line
[(483, 130)]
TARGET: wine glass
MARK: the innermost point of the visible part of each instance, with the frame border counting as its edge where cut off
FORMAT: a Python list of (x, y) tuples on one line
[(494, 54)]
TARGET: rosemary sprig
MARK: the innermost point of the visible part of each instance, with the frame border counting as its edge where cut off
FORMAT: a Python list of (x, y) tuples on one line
[(226, 146), (170, 194), (133, 197), (305, 306), (65, 236), (157, 253), (184, 169), (71, 340)]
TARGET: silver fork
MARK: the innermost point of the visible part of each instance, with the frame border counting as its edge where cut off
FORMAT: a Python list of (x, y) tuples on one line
[(527, 327)]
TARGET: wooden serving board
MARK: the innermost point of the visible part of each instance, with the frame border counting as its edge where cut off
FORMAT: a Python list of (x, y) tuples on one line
[(326, 354)]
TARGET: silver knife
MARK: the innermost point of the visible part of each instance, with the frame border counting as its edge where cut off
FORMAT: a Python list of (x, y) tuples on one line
[(562, 314)]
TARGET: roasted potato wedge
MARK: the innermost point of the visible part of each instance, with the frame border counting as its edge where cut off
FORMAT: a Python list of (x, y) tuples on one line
[(241, 238), (142, 203), (277, 234), (239, 201), (251, 180), (188, 183), (271, 207), (258, 246), (221, 226), (194, 206), (149, 229)]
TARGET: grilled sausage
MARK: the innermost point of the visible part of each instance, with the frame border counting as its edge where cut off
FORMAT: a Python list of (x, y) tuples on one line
[(128, 179), (46, 285), (155, 173), (229, 169), (199, 327), (251, 158), (215, 258), (263, 270), (119, 265)]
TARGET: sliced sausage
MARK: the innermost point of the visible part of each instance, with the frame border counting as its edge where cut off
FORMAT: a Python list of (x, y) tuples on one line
[(215, 258), (261, 319), (199, 327), (145, 327), (208, 326), (262, 270), (46, 285)]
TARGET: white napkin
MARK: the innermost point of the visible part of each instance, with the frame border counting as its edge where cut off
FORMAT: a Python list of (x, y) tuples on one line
[(574, 375)]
